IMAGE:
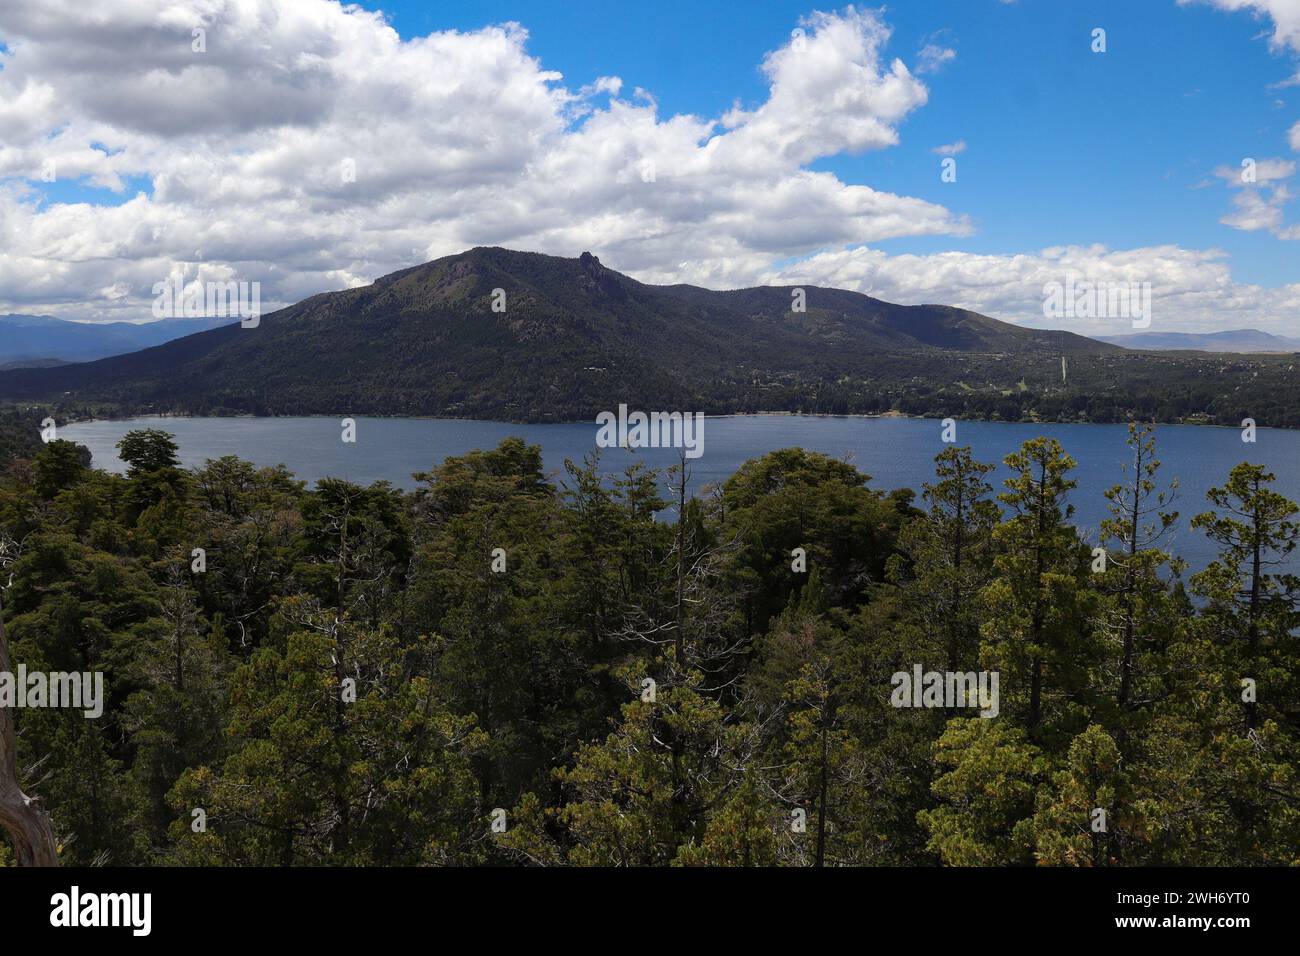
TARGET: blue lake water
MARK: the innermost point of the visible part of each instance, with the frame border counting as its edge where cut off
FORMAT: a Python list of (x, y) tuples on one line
[(895, 452)]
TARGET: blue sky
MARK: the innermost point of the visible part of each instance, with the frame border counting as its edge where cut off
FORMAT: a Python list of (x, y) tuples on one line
[(312, 146), (1064, 146)]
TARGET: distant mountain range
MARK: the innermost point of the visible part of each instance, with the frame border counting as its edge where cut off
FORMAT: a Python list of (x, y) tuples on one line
[(497, 334), (35, 340), (1237, 340)]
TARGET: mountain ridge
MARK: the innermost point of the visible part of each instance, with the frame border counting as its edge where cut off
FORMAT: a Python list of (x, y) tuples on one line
[(570, 337), (1243, 341), (45, 338)]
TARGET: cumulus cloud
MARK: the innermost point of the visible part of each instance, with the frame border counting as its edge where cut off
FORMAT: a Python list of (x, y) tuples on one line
[(1190, 289), (950, 149), (1259, 204), (306, 145), (1261, 196)]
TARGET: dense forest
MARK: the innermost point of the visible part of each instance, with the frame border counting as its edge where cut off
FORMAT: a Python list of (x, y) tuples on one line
[(1164, 387), (511, 668)]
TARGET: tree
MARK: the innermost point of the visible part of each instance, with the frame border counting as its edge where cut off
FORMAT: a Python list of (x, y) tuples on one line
[(610, 557), (794, 498), (157, 485), (22, 816), (175, 719), (644, 795), (823, 764), (1036, 609), (949, 557), (59, 465), (487, 530), (249, 522), (368, 770), (1078, 819), (1247, 663), (75, 609), (1258, 532), (987, 791), (1138, 521), (147, 450)]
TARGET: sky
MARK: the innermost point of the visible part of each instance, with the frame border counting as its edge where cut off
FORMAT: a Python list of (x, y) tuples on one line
[(310, 146)]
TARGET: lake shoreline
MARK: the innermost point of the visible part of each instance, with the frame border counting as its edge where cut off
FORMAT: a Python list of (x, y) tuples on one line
[(894, 452), (854, 416)]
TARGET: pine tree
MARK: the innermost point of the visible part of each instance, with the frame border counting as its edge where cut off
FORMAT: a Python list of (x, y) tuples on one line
[(949, 558), (1035, 612)]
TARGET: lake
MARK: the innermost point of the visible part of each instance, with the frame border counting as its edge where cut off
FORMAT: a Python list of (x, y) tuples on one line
[(895, 452)]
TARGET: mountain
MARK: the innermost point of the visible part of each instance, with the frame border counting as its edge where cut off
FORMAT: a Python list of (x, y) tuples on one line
[(576, 338), (32, 363), (49, 340), (1238, 340)]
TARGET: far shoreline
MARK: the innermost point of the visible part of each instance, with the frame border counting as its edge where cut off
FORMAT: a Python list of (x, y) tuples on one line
[(892, 414)]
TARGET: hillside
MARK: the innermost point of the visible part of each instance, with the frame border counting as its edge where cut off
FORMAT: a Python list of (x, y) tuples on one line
[(577, 338)]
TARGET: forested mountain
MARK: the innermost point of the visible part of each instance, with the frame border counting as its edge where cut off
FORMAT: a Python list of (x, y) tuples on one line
[(576, 338), (498, 669), (573, 338)]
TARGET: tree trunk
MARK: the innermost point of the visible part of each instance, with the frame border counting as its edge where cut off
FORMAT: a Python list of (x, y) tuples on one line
[(1130, 586), (822, 788), (681, 567), (1036, 624), (28, 825), (1256, 583)]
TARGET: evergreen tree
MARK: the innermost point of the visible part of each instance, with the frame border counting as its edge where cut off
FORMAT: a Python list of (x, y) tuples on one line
[(1035, 611), (949, 558)]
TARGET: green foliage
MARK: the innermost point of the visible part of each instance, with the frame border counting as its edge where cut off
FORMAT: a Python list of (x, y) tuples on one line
[(620, 675), (20, 436), (59, 465), (146, 450), (794, 498), (990, 774)]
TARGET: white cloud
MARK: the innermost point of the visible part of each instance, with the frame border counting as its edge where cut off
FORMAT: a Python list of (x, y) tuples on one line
[(832, 94), (456, 139), (465, 138), (950, 149), (1261, 196), (1258, 206), (1254, 210), (933, 57), (1262, 170), (1285, 15), (1191, 290)]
